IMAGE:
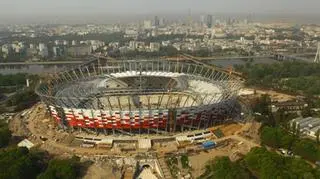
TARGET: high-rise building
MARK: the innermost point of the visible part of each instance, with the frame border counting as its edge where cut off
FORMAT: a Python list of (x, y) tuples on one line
[(43, 50), (209, 21), (57, 51), (132, 45), (203, 20), (162, 22), (156, 21), (42, 46), (147, 24)]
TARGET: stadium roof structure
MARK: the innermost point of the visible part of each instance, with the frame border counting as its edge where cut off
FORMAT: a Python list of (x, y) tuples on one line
[(105, 93)]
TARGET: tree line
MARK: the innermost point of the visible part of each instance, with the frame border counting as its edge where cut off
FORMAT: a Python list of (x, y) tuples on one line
[(260, 163), (23, 96), (20, 163), (5, 134), (277, 137), (288, 76)]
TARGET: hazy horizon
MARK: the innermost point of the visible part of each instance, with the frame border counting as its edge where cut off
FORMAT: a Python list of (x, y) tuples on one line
[(24, 7), (111, 11)]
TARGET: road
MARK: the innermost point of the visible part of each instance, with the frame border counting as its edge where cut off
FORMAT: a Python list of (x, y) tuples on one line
[(42, 63), (250, 143)]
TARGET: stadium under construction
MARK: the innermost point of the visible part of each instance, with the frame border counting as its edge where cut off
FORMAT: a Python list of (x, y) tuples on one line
[(141, 96)]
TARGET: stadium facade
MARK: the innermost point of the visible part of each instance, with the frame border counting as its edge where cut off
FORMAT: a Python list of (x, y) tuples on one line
[(141, 96)]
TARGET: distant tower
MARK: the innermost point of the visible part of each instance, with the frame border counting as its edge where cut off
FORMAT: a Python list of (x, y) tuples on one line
[(156, 21), (189, 17), (209, 20), (317, 58), (203, 20)]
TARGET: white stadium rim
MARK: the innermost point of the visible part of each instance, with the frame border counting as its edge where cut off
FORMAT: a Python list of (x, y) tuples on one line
[(141, 96)]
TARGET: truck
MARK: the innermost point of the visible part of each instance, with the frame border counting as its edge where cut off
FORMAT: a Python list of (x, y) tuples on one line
[(209, 145)]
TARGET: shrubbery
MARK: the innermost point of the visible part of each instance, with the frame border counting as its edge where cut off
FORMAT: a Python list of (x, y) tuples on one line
[(5, 134), (265, 164), (20, 163)]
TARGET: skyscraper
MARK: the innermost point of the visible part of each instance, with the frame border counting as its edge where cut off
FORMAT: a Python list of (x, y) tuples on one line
[(43, 50), (162, 21), (202, 20), (156, 21), (209, 20), (147, 24)]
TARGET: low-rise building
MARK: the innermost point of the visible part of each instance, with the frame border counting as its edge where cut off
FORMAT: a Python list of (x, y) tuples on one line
[(154, 46), (81, 50), (308, 126), (26, 143), (289, 106)]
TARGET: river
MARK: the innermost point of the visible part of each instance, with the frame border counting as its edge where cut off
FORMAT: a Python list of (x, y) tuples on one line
[(31, 69), (38, 69)]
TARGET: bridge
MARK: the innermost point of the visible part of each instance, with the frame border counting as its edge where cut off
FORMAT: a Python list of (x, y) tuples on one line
[(279, 57), (224, 57), (276, 56), (293, 57)]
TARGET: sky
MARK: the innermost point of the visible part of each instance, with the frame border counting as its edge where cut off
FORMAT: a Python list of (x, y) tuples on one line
[(117, 11), (71, 7)]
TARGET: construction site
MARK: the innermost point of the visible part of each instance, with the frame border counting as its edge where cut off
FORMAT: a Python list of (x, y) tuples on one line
[(121, 154), (166, 124)]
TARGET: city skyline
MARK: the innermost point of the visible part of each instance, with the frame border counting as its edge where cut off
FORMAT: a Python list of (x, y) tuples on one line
[(18, 8), (123, 11)]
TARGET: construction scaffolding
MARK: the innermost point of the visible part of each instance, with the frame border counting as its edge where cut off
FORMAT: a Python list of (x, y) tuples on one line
[(141, 96)]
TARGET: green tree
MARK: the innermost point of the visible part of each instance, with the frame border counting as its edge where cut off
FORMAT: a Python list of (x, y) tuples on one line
[(265, 165), (23, 99), (262, 105), (317, 135), (61, 169), (5, 134), (222, 167), (19, 163), (297, 77), (271, 136), (306, 112), (308, 149), (298, 133)]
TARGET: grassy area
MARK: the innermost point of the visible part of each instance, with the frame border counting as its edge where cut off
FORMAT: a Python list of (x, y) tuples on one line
[(218, 133), (172, 163), (184, 161)]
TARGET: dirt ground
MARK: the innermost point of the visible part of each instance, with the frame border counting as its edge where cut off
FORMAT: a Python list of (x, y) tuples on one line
[(251, 131), (277, 96), (100, 171), (18, 127), (228, 129), (233, 147), (37, 124), (238, 141)]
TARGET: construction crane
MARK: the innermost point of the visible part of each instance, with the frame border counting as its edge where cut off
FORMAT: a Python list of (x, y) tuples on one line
[(197, 61)]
